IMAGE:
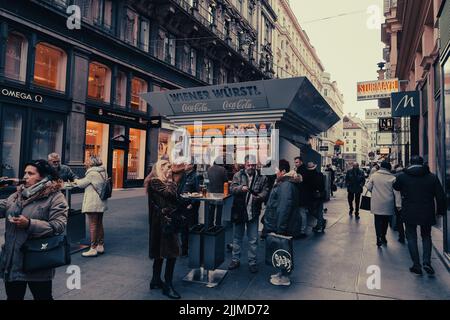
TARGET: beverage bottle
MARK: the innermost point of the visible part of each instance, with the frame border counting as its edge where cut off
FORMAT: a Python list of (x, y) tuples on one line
[(225, 188), (5, 181)]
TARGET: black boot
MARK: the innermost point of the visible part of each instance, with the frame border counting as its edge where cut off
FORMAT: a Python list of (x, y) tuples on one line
[(169, 291), (156, 284), (379, 242)]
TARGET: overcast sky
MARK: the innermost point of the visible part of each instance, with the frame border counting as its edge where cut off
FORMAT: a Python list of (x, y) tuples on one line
[(348, 48)]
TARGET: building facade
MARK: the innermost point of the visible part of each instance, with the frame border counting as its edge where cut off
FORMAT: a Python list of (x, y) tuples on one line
[(356, 139), (295, 56), (416, 35), (372, 129), (76, 90)]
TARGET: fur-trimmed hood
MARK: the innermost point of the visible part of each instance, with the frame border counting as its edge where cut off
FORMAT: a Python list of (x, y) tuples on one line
[(291, 176)]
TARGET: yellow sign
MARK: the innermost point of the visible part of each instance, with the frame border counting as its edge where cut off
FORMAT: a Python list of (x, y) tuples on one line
[(372, 90)]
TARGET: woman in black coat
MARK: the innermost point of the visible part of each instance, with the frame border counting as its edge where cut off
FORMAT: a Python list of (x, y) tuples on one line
[(163, 209)]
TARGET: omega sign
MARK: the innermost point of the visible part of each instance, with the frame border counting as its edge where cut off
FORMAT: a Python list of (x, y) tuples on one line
[(22, 95)]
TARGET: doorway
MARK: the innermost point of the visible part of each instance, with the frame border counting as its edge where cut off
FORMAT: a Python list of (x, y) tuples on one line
[(118, 165)]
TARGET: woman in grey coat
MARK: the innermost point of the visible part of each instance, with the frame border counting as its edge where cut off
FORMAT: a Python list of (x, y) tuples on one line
[(37, 209), (384, 199), (93, 183)]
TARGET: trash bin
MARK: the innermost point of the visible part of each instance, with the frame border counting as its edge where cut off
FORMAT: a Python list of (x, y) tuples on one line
[(213, 247), (195, 245)]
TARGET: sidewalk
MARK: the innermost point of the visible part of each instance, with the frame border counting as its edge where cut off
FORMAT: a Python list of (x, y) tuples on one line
[(328, 266)]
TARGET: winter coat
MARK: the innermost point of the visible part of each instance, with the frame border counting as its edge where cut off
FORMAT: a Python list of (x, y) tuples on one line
[(93, 183), (66, 174), (164, 204), (419, 189), (217, 176), (355, 180), (314, 183), (302, 196), (260, 187), (47, 211), (384, 198), (281, 212)]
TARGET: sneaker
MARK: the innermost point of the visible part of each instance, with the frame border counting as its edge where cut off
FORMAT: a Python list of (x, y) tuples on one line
[(276, 275), (90, 253), (280, 281), (234, 265), (100, 249), (416, 270), (253, 268), (428, 268)]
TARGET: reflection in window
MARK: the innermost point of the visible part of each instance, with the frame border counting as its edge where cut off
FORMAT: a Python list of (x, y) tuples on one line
[(99, 82), (118, 133), (97, 141), (16, 57), (136, 154), (11, 144), (46, 136), (130, 27), (121, 89), (138, 86), (50, 67)]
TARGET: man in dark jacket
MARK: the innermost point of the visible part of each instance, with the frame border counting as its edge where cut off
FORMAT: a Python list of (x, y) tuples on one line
[(281, 211), (354, 179), (315, 190), (64, 172), (217, 176), (419, 189), (332, 177), (250, 190), (301, 170)]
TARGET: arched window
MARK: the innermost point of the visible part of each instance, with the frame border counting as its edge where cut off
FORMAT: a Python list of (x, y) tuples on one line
[(99, 82), (16, 56), (50, 67)]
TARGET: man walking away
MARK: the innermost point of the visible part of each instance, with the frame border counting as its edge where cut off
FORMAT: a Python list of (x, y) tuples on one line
[(301, 170), (419, 189), (354, 180), (332, 177), (250, 190), (217, 175)]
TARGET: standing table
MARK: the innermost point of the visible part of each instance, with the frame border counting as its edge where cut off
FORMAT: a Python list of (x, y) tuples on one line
[(211, 278)]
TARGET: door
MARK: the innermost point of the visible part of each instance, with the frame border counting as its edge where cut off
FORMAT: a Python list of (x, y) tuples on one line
[(118, 168), (11, 132)]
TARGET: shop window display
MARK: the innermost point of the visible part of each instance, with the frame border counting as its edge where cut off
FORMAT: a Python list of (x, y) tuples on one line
[(136, 155), (50, 67), (97, 140), (138, 86), (46, 135)]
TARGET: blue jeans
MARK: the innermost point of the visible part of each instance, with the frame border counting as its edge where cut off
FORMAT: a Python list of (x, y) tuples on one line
[(303, 218), (252, 235)]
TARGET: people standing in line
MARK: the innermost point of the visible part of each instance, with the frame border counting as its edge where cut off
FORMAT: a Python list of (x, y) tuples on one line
[(355, 180), (250, 190), (93, 206), (37, 209), (329, 169), (315, 193), (64, 172), (384, 200), (420, 189), (164, 206), (217, 176), (400, 224), (301, 170), (281, 212), (191, 184)]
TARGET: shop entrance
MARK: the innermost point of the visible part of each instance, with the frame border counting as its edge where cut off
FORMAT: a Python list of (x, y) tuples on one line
[(118, 166)]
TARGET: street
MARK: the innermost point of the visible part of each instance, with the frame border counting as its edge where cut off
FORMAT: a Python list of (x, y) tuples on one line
[(327, 266)]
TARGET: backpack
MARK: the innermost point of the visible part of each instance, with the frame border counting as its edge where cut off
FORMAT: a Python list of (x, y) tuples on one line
[(106, 191)]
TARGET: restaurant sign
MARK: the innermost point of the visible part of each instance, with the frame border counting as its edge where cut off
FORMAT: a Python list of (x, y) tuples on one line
[(373, 90), (227, 98)]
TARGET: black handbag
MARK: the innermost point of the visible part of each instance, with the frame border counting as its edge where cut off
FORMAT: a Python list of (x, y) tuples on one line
[(365, 202), (279, 252), (45, 253)]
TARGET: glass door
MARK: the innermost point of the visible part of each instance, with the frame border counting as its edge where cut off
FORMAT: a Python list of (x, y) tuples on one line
[(11, 142), (118, 168)]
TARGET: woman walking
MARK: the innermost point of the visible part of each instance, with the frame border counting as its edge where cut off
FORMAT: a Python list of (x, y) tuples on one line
[(384, 200), (37, 209), (164, 206), (93, 183)]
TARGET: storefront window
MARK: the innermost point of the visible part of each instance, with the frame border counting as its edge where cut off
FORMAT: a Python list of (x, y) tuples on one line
[(138, 86), (97, 141), (164, 145), (11, 144), (50, 67), (121, 89), (136, 155), (118, 133), (16, 57), (46, 135), (99, 82)]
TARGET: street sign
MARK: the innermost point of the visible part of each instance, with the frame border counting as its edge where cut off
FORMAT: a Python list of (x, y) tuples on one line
[(386, 124), (323, 148), (378, 113), (405, 104), (385, 150), (384, 139), (373, 90)]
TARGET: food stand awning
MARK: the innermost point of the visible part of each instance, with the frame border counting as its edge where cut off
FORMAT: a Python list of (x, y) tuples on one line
[(293, 102)]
